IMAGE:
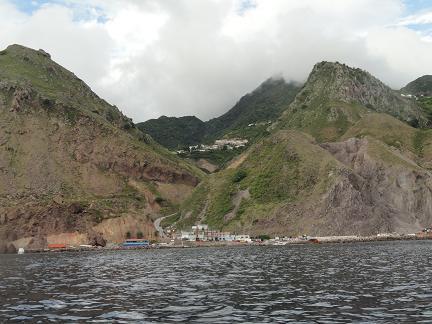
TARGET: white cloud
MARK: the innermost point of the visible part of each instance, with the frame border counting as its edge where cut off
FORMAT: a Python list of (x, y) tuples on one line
[(417, 19), (197, 57)]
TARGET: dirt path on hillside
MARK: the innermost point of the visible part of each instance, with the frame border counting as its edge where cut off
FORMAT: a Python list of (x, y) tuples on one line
[(237, 199)]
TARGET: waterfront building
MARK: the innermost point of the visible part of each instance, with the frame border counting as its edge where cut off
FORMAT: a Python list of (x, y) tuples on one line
[(201, 232)]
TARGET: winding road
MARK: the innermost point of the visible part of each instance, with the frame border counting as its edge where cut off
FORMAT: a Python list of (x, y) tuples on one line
[(159, 227)]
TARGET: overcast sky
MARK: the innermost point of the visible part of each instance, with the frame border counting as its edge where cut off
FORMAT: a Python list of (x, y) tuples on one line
[(198, 57)]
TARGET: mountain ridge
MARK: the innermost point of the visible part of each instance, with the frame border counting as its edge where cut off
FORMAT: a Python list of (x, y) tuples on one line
[(341, 156), (72, 167)]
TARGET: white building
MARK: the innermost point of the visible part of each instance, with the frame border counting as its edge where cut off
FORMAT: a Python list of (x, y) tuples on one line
[(201, 232), (244, 238), (187, 236), (234, 142)]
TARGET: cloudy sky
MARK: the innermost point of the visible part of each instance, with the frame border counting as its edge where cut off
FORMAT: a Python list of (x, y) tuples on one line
[(198, 57)]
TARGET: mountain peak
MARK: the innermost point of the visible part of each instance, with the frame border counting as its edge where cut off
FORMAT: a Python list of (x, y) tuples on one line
[(340, 82), (18, 49), (335, 95), (32, 71), (339, 73), (23, 64)]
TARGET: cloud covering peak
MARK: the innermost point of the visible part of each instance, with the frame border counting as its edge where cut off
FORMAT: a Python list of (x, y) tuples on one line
[(195, 57)]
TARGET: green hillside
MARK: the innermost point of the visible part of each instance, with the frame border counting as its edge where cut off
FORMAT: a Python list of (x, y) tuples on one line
[(175, 133), (263, 105), (419, 87), (281, 170)]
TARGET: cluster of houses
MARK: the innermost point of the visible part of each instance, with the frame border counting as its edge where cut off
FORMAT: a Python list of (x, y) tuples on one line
[(220, 144), (201, 232), (263, 123), (411, 96), (408, 96)]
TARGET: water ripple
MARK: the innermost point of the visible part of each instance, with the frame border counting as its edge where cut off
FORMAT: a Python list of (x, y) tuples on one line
[(376, 282)]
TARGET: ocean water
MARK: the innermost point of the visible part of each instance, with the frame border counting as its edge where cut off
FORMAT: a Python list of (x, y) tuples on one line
[(327, 283)]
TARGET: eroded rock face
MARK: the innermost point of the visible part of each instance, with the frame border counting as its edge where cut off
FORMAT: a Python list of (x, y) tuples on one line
[(372, 188), (372, 198), (20, 98), (34, 220), (96, 239)]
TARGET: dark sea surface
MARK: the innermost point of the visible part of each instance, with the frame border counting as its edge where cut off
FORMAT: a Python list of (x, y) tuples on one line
[(327, 283)]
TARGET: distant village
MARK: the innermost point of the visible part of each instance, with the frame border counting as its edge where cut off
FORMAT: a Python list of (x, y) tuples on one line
[(413, 96), (409, 96), (220, 144)]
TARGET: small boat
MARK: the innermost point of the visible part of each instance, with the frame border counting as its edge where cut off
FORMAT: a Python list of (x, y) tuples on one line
[(21, 250), (56, 246), (280, 243), (314, 240)]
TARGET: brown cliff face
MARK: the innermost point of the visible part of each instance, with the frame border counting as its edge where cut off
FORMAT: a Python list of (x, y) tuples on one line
[(68, 159)]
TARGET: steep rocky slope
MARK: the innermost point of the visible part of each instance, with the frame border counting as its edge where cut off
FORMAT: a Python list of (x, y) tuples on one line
[(343, 159), (335, 96), (72, 167)]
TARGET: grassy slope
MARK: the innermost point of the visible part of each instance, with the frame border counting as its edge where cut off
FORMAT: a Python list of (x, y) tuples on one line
[(266, 103), (326, 121), (285, 168)]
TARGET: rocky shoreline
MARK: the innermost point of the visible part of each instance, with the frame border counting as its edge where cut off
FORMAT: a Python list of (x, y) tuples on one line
[(272, 242)]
